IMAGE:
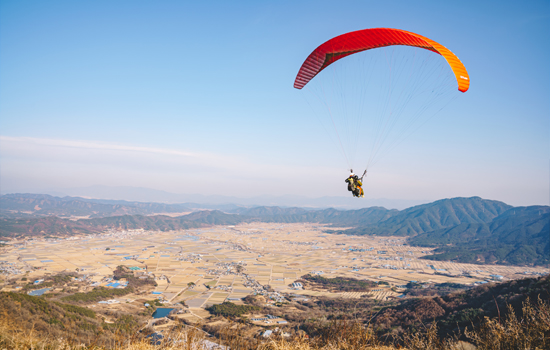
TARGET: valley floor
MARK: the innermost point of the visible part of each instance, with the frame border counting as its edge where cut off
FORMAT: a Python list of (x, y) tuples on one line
[(226, 263)]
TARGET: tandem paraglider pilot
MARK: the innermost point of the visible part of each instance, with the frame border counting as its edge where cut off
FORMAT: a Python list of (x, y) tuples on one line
[(355, 184)]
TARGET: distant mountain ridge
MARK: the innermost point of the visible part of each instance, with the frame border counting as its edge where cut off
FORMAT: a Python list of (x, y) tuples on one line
[(55, 227), (17, 205), (332, 216), (462, 229), (141, 194)]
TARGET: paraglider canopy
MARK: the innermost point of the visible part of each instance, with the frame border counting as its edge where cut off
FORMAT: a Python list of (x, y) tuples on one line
[(366, 39), (374, 99)]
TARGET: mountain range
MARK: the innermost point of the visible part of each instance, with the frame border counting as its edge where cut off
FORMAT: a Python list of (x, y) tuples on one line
[(462, 229), (142, 194)]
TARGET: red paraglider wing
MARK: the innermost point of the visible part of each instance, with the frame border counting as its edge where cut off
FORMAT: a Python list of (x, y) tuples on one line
[(361, 40)]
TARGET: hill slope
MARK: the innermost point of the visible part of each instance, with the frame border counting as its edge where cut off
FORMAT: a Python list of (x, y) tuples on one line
[(464, 309), (518, 236)]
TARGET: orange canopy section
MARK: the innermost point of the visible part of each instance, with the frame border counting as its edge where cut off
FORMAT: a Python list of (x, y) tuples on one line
[(366, 39)]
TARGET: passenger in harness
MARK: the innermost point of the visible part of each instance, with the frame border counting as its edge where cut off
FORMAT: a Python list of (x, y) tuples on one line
[(355, 184)]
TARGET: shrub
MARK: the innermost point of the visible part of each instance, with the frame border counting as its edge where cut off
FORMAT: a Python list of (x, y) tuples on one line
[(229, 309)]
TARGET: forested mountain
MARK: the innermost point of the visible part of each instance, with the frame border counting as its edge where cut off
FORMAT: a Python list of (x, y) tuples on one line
[(441, 214), (517, 236), (513, 224)]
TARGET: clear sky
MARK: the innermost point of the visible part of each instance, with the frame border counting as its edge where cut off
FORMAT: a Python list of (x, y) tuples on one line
[(197, 97)]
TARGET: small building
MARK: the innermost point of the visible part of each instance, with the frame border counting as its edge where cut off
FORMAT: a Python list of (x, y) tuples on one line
[(267, 333)]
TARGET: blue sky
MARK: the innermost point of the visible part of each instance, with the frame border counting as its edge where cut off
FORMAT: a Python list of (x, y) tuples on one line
[(197, 97)]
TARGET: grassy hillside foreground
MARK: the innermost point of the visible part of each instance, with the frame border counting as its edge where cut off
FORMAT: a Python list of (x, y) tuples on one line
[(531, 330)]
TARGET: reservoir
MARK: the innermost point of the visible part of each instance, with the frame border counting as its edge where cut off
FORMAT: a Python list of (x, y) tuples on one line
[(162, 312), (39, 291)]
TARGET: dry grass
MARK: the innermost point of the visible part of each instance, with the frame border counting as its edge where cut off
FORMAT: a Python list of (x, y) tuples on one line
[(531, 331), (11, 339), (305, 344)]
